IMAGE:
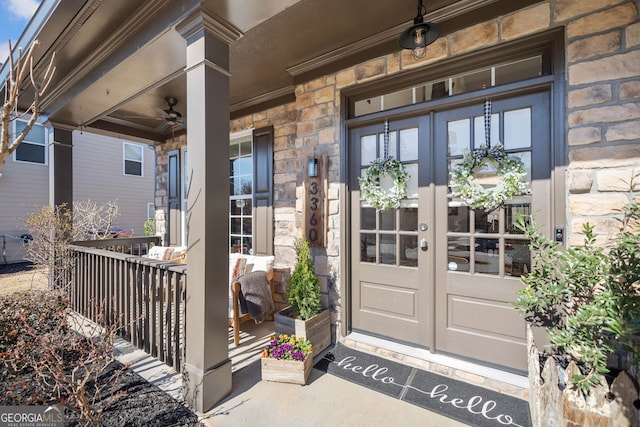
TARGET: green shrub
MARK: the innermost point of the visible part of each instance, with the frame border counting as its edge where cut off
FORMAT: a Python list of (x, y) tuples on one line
[(587, 297), (303, 292)]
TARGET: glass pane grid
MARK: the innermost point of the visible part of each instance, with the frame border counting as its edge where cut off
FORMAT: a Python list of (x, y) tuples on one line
[(478, 79)]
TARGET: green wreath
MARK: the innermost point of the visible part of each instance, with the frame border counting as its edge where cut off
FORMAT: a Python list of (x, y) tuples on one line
[(370, 183), (510, 170)]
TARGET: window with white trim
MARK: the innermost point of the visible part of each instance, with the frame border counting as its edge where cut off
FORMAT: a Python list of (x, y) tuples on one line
[(34, 147), (132, 159), (241, 194)]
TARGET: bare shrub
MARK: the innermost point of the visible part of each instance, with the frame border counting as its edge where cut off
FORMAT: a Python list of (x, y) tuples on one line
[(92, 221), (50, 354)]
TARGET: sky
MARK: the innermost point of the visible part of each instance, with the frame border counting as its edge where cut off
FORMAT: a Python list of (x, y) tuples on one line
[(14, 17)]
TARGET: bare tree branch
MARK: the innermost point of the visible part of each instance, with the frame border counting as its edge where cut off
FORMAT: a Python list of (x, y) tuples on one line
[(18, 72)]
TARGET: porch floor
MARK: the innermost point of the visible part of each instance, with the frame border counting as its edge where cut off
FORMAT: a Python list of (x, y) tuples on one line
[(326, 400)]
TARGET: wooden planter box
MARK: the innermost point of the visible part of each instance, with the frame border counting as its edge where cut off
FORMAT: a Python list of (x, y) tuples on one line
[(286, 371), (604, 406), (317, 329)]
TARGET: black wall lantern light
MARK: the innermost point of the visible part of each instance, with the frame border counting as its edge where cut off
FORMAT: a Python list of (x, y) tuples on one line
[(312, 167), (419, 35)]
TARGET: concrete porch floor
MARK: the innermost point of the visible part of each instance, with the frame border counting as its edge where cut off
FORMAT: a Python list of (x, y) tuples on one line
[(326, 400)]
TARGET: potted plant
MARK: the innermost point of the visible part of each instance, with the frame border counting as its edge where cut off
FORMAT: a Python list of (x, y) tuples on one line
[(587, 299), (304, 316), (287, 359)]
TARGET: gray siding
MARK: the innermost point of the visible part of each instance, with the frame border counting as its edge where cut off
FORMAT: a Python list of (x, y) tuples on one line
[(24, 188), (99, 176)]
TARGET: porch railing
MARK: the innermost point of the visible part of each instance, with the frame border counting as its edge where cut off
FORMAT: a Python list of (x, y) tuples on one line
[(146, 295), (126, 245)]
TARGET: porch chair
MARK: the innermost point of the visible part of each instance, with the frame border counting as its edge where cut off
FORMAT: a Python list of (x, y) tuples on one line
[(240, 267)]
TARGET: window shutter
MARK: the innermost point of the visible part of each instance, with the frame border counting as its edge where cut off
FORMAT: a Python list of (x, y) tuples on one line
[(173, 194), (263, 191)]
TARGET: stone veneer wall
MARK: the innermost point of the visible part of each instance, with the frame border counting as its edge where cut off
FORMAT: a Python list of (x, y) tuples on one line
[(162, 174), (602, 123)]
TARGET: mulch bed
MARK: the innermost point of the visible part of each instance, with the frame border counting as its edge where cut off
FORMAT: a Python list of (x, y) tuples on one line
[(142, 404)]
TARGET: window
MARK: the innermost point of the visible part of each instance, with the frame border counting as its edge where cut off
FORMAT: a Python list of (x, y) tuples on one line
[(241, 194), (469, 81), (132, 159), (34, 147), (151, 211)]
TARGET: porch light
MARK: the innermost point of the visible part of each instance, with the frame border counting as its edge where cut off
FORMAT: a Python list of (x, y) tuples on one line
[(419, 35), (312, 167)]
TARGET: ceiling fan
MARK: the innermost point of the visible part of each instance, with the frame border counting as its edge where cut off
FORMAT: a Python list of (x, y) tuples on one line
[(171, 117)]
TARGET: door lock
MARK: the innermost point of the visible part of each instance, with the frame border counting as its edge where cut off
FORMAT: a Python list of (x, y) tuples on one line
[(423, 244)]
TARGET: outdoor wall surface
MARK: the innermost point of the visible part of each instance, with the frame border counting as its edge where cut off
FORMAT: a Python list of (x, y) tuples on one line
[(24, 188), (98, 176)]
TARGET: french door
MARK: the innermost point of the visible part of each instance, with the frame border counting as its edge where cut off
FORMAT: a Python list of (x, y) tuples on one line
[(391, 263), (434, 272)]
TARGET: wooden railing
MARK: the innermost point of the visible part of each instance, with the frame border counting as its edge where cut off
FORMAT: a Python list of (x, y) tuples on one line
[(146, 295), (125, 245)]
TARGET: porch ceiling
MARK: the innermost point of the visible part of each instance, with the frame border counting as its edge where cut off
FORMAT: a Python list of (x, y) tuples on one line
[(118, 60)]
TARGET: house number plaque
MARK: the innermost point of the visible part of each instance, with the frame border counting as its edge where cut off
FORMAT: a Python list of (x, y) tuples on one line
[(315, 205)]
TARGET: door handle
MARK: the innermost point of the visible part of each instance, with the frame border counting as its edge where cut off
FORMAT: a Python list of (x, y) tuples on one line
[(423, 244)]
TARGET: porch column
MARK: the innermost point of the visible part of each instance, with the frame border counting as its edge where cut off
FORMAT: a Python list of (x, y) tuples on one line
[(61, 168), (207, 364)]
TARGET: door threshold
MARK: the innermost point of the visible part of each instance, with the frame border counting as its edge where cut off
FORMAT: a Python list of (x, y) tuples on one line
[(484, 376)]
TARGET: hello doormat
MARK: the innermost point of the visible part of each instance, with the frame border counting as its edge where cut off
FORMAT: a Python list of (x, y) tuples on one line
[(454, 399)]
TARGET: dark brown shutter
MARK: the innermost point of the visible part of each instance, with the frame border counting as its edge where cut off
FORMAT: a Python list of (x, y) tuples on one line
[(263, 191), (173, 194)]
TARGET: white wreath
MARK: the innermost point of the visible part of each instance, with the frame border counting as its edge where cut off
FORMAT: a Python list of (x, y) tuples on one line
[(510, 169), (380, 198)]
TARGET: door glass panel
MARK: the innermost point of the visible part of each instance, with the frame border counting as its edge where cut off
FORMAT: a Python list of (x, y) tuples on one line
[(458, 218), (368, 106), (487, 221), (458, 254), (367, 247), (388, 249), (409, 144), (517, 129), (517, 257), (525, 156), (476, 246), (519, 70), (412, 183), (475, 80), (487, 256), (408, 219), (393, 145), (367, 218), (368, 149), (388, 219), (459, 136), (398, 99), (409, 251), (511, 211), (479, 137)]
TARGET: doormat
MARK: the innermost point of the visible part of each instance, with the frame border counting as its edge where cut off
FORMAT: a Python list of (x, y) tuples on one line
[(449, 397)]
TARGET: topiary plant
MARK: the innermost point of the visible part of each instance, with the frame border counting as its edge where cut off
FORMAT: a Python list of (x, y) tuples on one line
[(303, 292)]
